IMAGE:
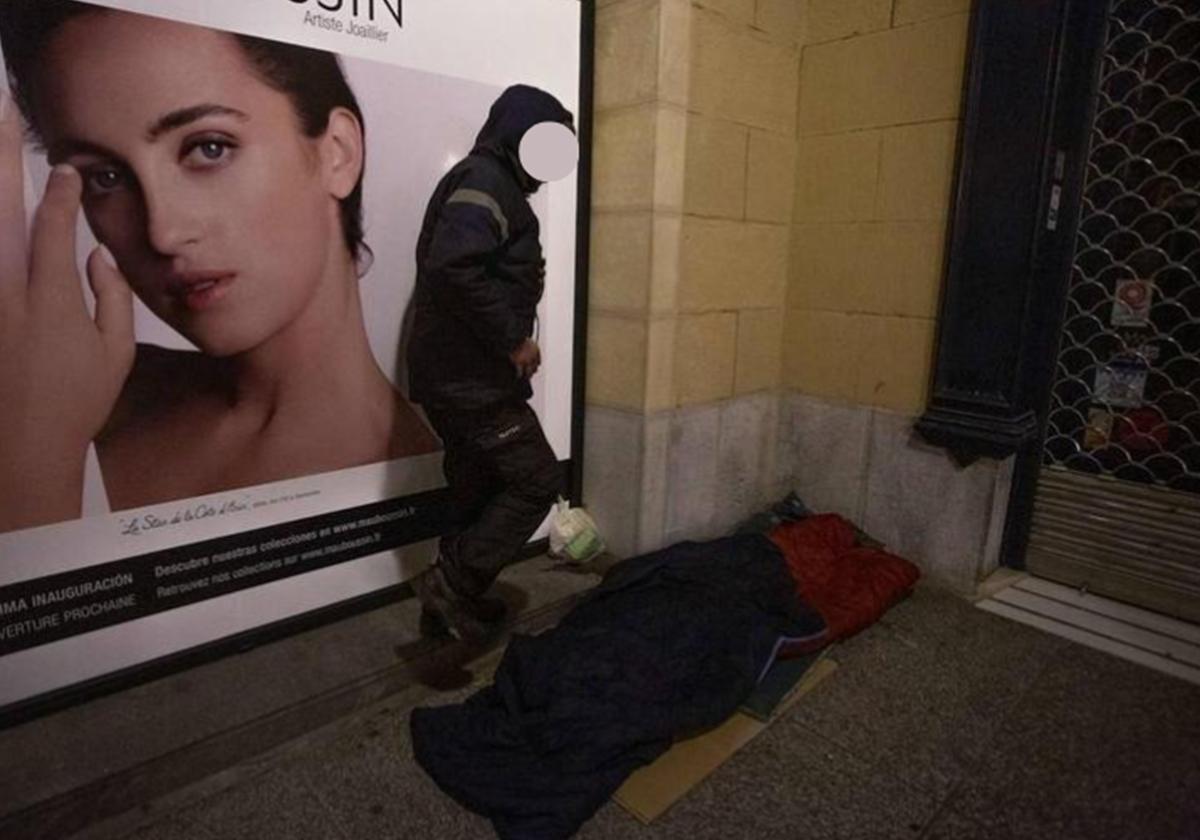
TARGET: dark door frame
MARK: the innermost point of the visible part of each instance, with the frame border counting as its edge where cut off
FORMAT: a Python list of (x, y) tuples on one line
[(1030, 95)]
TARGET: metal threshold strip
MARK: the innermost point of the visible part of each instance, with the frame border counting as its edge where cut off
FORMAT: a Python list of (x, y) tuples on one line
[(1132, 633)]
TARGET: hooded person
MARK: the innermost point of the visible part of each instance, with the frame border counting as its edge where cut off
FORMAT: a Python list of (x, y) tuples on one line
[(471, 354)]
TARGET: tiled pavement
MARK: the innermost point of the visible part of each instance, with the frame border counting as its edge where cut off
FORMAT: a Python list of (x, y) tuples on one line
[(943, 722)]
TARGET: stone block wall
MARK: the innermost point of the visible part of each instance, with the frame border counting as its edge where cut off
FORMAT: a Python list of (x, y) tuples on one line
[(878, 119), (880, 91), (772, 184), (691, 222), (867, 464)]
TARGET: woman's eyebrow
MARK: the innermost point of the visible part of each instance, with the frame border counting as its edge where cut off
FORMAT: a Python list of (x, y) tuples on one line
[(68, 147), (183, 116)]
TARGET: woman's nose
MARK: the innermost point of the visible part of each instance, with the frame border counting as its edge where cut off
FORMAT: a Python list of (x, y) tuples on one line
[(173, 222)]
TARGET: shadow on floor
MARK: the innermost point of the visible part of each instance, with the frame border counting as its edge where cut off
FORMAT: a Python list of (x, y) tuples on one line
[(443, 663)]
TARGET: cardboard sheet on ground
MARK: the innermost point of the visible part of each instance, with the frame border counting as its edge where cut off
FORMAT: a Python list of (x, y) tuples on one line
[(651, 790)]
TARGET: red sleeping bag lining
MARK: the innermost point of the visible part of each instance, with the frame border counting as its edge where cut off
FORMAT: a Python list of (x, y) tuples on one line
[(850, 585)]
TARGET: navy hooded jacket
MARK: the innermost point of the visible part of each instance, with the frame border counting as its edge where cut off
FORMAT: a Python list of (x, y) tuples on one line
[(479, 265)]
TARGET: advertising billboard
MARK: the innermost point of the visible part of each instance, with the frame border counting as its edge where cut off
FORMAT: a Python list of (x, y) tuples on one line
[(235, 447)]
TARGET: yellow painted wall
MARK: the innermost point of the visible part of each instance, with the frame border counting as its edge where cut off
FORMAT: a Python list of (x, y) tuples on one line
[(771, 190), (879, 100), (642, 50), (694, 171)]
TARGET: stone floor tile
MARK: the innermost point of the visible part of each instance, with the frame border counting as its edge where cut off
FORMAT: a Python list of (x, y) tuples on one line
[(951, 825), (920, 694), (376, 789), (173, 829), (1098, 748), (791, 782), (942, 723), (276, 806)]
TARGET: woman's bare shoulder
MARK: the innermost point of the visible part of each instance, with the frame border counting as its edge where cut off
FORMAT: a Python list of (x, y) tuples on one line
[(410, 434), (161, 381)]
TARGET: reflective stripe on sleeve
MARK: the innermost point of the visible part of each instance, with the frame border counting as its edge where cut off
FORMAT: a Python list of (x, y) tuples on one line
[(481, 199)]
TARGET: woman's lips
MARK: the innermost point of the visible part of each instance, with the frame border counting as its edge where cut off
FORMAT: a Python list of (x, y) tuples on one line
[(201, 290)]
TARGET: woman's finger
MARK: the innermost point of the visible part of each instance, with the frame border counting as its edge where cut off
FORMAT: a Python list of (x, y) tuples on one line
[(53, 276), (14, 266), (114, 303)]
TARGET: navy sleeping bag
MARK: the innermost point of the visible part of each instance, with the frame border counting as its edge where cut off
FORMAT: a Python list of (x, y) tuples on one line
[(667, 646)]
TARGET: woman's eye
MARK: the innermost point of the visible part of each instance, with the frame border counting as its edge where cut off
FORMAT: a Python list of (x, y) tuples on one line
[(101, 180), (206, 153), (212, 151)]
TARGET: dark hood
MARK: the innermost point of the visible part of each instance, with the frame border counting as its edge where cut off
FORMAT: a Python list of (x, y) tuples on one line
[(518, 109)]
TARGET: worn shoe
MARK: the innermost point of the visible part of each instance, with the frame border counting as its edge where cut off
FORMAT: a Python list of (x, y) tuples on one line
[(462, 617), (487, 610), (432, 625)]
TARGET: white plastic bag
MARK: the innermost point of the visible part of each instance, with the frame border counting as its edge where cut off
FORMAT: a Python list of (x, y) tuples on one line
[(573, 535)]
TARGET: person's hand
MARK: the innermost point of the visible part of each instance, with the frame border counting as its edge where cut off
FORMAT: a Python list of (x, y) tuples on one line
[(527, 358), (61, 370)]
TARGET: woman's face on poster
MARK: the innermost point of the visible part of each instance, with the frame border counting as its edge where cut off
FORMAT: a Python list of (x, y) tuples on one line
[(220, 212)]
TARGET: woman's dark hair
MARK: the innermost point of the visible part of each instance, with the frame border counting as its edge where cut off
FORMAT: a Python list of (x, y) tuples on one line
[(313, 80)]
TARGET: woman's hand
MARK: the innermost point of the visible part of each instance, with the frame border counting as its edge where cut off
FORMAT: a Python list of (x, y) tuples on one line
[(61, 371)]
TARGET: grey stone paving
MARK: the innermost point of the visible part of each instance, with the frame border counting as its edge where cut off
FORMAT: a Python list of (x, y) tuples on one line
[(942, 722)]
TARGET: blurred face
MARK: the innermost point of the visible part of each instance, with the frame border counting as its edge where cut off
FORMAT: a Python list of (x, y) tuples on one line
[(197, 176)]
